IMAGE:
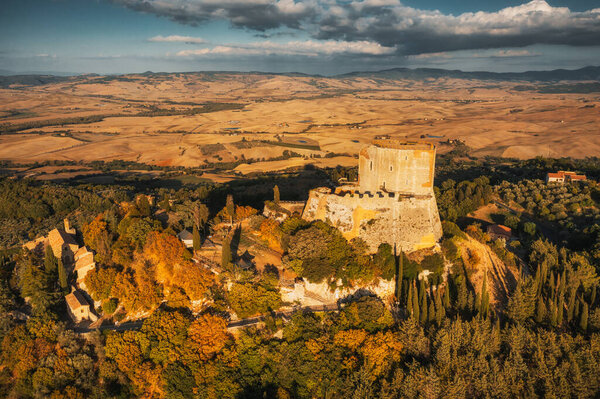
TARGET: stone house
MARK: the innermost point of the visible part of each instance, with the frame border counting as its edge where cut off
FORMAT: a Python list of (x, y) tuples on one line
[(84, 262), (564, 177), (186, 237), (63, 245), (79, 308)]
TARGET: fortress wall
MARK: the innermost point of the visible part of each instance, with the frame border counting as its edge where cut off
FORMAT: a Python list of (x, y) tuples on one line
[(409, 223), (407, 169)]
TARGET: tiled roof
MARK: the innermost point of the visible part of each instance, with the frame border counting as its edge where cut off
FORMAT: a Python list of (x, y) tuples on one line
[(84, 261), (57, 238), (75, 300)]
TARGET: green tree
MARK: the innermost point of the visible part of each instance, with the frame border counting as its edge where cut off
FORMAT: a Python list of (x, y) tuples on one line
[(196, 239), (143, 206), (583, 321), (230, 207), (226, 257), (423, 307), (62, 276), (50, 261)]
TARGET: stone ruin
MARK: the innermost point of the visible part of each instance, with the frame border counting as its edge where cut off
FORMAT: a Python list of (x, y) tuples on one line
[(393, 201)]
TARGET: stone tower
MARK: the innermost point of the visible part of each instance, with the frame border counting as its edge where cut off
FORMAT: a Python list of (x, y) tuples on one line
[(399, 167), (393, 202)]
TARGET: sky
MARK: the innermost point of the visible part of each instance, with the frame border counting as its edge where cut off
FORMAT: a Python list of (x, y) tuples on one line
[(324, 37)]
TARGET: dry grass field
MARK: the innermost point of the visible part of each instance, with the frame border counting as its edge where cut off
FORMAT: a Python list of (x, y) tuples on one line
[(265, 122)]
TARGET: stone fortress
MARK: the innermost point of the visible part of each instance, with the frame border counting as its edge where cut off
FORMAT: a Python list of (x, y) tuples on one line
[(393, 201)]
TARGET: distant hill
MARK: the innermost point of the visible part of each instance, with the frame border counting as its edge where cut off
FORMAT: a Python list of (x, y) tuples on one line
[(583, 74), (587, 73), (31, 80)]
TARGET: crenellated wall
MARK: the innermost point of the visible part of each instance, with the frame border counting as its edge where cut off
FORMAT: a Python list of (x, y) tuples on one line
[(393, 202), (408, 222)]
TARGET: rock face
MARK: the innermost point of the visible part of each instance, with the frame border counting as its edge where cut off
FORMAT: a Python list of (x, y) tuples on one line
[(393, 202)]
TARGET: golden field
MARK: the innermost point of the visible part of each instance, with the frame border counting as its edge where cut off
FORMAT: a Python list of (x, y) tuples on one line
[(154, 119)]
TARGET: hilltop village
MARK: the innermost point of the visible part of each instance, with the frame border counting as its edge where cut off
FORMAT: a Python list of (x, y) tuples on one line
[(389, 213), (391, 206)]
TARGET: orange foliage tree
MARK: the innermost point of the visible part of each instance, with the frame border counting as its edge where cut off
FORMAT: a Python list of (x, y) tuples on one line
[(207, 336)]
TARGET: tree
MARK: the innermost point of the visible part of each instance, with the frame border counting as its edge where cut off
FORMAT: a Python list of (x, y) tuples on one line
[(226, 258), (201, 215), (143, 206), (62, 276), (196, 239), (423, 307), (583, 321), (276, 194), (230, 207), (207, 336), (50, 261)]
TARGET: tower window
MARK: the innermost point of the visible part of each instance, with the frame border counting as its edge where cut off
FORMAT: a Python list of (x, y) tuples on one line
[(391, 168), (371, 166)]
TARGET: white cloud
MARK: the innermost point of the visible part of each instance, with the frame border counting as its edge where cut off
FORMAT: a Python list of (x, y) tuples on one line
[(391, 24), (178, 39), (304, 48)]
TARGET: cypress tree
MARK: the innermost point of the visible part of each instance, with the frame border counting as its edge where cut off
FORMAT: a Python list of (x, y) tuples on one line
[(583, 321), (447, 296), (196, 238), (477, 305), (276, 194), (50, 261), (553, 314), (576, 311), (560, 311), (571, 306), (62, 275), (421, 290), (540, 313), (226, 254), (423, 318), (400, 276), (415, 303), (593, 296), (431, 316), (230, 207), (439, 308), (409, 303)]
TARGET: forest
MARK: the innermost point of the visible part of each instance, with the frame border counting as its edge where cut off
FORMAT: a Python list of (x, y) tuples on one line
[(439, 338)]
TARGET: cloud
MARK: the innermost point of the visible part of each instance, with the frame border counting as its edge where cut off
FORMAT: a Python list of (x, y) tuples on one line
[(416, 31), (178, 39), (514, 54), (391, 24), (293, 48), (258, 15)]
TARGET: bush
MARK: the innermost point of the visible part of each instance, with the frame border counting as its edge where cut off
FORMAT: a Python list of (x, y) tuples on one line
[(109, 306)]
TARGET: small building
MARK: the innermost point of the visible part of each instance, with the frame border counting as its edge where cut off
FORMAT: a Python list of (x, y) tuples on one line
[(63, 245), (499, 231), (564, 177), (84, 262), (78, 307), (186, 237), (382, 137)]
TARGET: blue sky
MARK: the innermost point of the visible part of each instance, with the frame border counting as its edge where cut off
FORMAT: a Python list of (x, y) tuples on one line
[(313, 36)]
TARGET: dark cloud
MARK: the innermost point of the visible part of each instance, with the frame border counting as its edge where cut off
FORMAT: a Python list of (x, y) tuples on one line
[(257, 15), (391, 24)]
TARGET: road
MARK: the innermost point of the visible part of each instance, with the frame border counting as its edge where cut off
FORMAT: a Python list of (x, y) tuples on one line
[(250, 321)]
